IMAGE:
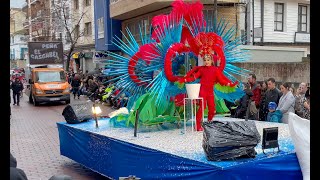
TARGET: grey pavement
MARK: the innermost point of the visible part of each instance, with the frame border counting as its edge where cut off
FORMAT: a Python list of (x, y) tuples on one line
[(34, 141)]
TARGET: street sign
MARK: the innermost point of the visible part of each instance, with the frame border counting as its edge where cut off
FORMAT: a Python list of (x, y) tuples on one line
[(50, 52), (99, 57)]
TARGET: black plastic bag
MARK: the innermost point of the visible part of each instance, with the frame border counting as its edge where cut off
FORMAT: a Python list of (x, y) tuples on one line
[(228, 140)]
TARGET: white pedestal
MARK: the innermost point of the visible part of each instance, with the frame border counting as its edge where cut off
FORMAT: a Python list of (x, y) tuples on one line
[(193, 112)]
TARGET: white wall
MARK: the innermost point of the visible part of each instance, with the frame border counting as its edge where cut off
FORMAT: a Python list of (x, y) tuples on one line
[(271, 54), (17, 45), (290, 20), (88, 17)]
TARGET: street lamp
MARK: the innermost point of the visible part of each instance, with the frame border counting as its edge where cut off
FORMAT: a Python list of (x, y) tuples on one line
[(96, 110)]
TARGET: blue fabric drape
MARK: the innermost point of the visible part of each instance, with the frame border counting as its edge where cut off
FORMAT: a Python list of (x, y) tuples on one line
[(115, 158)]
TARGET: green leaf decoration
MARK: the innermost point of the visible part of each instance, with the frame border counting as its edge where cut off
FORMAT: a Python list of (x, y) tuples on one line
[(141, 101), (224, 89), (179, 85), (148, 110)]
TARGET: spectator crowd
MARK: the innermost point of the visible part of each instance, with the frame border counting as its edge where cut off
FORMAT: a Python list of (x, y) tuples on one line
[(97, 87), (265, 102)]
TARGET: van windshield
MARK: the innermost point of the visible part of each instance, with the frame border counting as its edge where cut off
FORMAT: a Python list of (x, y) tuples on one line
[(50, 76)]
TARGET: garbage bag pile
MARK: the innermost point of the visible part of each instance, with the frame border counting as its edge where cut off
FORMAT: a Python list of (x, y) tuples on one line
[(228, 140)]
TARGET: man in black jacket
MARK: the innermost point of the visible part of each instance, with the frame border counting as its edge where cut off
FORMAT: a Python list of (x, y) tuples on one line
[(243, 103), (273, 94), (17, 88)]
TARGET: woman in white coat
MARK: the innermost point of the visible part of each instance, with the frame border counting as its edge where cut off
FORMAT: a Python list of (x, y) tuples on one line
[(286, 102)]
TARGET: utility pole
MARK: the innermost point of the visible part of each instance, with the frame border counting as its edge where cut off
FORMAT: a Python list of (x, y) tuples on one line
[(215, 15), (30, 29), (30, 25)]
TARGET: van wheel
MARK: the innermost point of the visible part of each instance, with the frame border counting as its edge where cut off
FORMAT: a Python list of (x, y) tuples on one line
[(35, 103), (68, 101), (30, 99)]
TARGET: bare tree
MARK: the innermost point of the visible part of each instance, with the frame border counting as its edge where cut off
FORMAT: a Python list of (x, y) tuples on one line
[(64, 19)]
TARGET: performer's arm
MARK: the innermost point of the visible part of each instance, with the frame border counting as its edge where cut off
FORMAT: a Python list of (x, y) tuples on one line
[(191, 78), (193, 70), (223, 80)]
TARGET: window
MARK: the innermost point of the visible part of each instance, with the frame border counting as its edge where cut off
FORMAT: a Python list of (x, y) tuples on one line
[(76, 31), (12, 40), (87, 2), (76, 4), (87, 29), (67, 38), (100, 24), (302, 18), (50, 76), (278, 16)]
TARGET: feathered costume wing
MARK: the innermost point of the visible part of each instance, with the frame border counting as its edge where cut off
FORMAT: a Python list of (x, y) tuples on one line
[(145, 69)]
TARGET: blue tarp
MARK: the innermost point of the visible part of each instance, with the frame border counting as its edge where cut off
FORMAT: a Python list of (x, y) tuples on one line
[(116, 158)]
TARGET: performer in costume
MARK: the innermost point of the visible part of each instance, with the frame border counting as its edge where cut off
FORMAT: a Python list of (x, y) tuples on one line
[(210, 75)]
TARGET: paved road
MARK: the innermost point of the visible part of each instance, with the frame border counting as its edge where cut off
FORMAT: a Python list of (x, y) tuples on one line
[(34, 142)]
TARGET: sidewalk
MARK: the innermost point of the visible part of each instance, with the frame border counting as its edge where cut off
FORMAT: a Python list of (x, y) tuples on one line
[(34, 141)]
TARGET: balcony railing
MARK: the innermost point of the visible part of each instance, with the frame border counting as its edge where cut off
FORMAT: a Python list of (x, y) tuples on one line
[(34, 1), (25, 24)]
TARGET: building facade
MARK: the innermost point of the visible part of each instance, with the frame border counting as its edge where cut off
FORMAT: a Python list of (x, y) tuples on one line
[(61, 18), (38, 20), (279, 39), (83, 21), (18, 38), (46, 20), (106, 29), (137, 13)]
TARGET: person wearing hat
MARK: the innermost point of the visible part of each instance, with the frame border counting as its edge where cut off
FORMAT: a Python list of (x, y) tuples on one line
[(273, 114)]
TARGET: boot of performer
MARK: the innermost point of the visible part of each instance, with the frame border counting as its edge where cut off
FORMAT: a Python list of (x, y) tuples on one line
[(199, 115), (199, 125), (211, 107)]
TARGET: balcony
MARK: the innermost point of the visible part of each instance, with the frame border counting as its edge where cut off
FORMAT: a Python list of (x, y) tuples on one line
[(125, 9), (25, 24)]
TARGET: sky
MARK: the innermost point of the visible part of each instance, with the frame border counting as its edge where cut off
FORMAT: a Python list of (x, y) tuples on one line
[(17, 3)]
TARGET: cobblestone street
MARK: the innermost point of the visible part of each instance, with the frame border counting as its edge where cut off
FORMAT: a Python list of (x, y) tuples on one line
[(34, 142)]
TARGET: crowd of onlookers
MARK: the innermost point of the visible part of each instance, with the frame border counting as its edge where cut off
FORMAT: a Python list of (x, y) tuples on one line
[(97, 87), (264, 101)]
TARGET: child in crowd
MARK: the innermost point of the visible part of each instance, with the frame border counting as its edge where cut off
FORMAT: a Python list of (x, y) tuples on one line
[(273, 114)]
